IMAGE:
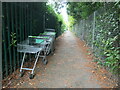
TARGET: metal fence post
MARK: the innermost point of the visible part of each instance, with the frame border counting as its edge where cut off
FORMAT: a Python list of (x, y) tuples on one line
[(93, 30), (0, 45), (28, 29), (31, 19), (9, 40), (21, 25), (5, 58), (16, 28), (44, 22), (84, 24), (23, 20), (13, 31)]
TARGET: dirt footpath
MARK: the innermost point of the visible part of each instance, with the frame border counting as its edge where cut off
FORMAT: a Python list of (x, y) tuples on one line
[(71, 66)]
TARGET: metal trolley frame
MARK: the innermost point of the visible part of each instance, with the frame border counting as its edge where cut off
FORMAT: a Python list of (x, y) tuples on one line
[(40, 46), (37, 46), (50, 33)]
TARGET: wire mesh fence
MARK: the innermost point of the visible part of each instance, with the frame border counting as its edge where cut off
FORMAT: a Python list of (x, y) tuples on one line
[(98, 30)]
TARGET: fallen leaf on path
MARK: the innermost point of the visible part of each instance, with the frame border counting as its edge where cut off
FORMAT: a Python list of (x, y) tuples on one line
[(9, 83), (93, 71), (18, 84), (104, 77), (30, 83), (3, 87)]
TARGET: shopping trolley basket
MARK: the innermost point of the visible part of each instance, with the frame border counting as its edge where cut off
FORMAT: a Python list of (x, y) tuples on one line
[(52, 36), (36, 47), (48, 40), (50, 30)]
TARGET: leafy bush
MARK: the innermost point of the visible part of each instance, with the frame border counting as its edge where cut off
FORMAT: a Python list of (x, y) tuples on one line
[(107, 34)]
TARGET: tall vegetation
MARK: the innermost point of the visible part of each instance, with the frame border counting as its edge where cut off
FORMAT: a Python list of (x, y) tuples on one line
[(83, 9), (107, 32), (59, 18)]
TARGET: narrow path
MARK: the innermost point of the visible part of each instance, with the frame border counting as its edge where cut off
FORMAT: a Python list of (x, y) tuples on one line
[(67, 68)]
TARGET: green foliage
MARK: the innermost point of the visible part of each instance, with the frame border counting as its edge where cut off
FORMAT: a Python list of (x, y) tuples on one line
[(45, 17), (81, 10), (107, 40), (13, 37), (57, 6), (63, 24), (60, 24), (107, 34), (71, 22)]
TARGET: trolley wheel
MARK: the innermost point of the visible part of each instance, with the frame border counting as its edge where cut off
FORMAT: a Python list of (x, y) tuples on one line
[(54, 50), (45, 62), (21, 74), (49, 53), (52, 53), (31, 76)]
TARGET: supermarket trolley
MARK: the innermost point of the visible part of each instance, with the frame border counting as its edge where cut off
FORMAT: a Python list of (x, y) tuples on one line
[(48, 43), (50, 33), (32, 46)]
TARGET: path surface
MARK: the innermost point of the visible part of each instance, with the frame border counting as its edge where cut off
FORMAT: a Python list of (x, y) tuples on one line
[(67, 68)]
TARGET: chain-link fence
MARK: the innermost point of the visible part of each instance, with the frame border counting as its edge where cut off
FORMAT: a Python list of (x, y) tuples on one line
[(100, 32)]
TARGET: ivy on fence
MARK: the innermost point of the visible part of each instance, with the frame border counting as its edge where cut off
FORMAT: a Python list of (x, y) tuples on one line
[(100, 31)]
